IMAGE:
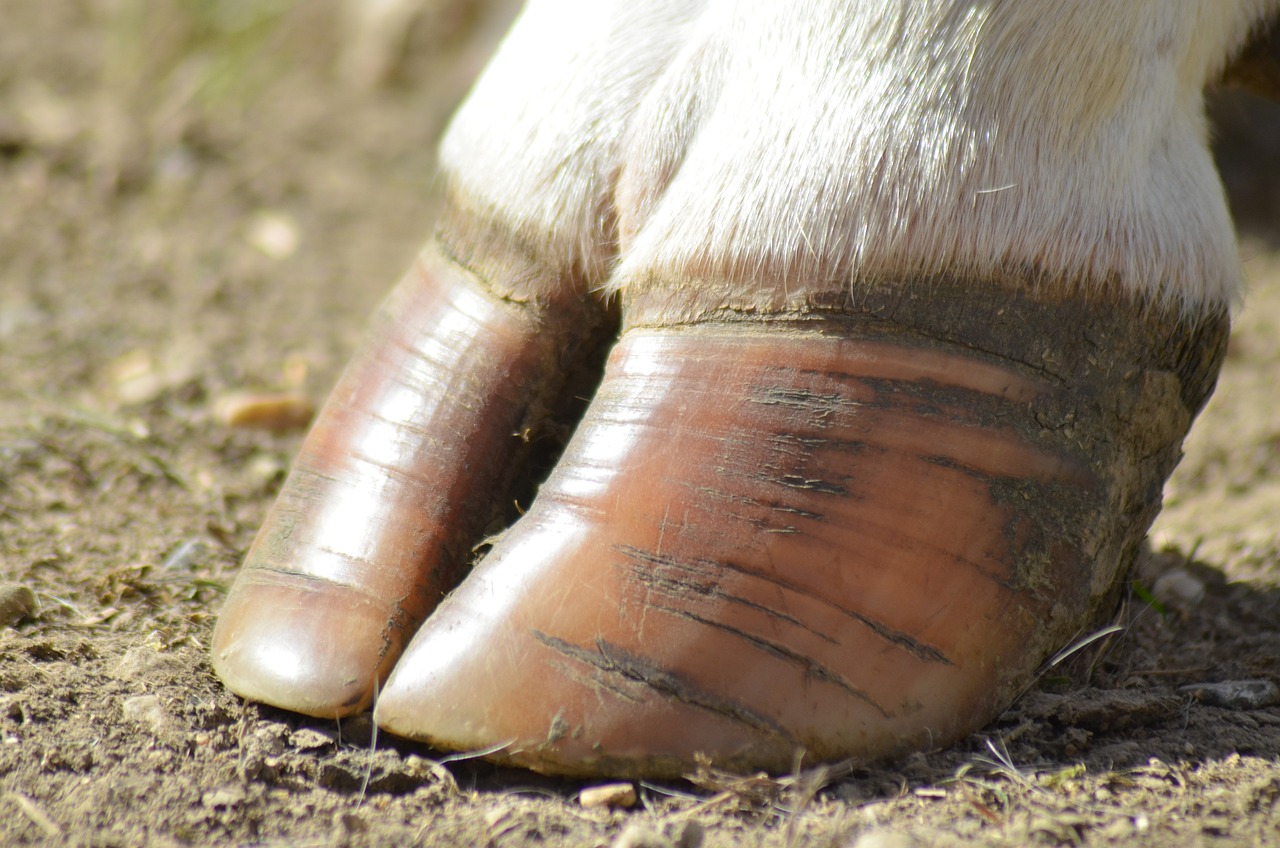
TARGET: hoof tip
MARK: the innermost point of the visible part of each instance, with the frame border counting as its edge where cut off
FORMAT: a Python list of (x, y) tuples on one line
[(284, 646)]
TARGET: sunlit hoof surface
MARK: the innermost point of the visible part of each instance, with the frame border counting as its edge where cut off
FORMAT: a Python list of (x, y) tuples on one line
[(406, 465), (850, 530)]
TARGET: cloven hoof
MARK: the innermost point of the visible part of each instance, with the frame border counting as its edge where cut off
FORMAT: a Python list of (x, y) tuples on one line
[(851, 526)]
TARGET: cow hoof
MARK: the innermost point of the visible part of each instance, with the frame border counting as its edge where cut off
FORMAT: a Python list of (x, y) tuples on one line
[(405, 467), (849, 530)]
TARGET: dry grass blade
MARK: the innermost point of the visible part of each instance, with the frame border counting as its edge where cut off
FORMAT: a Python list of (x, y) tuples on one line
[(1039, 790), (806, 788), (760, 793), (1003, 765), (479, 754), (1081, 644), (373, 747), (38, 817), (1070, 651)]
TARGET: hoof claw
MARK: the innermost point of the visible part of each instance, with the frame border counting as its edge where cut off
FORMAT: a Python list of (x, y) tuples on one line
[(758, 542), (848, 532), (407, 463), (773, 538), (304, 661)]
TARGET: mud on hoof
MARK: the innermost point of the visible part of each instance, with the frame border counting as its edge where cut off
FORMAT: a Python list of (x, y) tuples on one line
[(852, 528)]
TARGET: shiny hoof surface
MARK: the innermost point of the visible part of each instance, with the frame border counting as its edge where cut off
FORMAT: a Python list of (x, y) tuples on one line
[(406, 465), (851, 534), (832, 523)]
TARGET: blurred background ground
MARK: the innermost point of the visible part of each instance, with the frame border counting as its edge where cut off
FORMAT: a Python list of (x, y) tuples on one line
[(198, 198)]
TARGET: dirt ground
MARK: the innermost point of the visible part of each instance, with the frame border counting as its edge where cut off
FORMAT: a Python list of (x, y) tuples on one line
[(193, 202)]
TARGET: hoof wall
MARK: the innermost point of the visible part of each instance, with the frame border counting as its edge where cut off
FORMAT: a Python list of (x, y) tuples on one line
[(320, 665), (844, 532), (792, 538)]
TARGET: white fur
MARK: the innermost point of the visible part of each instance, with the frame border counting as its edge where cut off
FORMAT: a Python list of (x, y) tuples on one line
[(788, 143)]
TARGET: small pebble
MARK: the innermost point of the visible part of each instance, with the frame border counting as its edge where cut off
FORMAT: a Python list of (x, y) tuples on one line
[(143, 663), (268, 739), (146, 709), (226, 797), (348, 822), (691, 836), (265, 468), (1235, 694), (613, 795), (1179, 587), (16, 603), (275, 233), (878, 838), (637, 835), (141, 376), (264, 411), (307, 739)]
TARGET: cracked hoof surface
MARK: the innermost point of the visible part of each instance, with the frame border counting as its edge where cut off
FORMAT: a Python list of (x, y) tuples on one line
[(758, 542), (846, 525), (844, 534)]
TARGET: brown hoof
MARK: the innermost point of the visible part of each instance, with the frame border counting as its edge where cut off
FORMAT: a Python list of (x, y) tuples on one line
[(395, 483), (849, 532)]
